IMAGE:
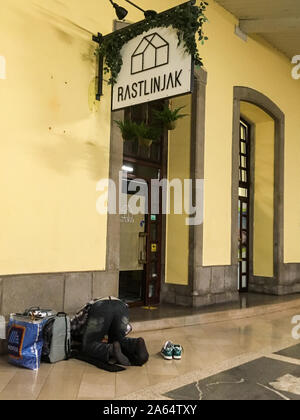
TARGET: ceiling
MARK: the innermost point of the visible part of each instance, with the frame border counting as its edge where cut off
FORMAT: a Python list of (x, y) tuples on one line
[(277, 21)]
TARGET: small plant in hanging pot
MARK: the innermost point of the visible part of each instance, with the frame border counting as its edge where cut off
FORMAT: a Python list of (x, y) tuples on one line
[(169, 117), (128, 130), (147, 134)]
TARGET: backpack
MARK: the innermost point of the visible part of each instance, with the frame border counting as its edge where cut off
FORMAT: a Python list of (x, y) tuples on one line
[(57, 339)]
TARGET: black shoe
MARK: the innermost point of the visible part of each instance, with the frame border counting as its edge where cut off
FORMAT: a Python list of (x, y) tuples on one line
[(119, 356)]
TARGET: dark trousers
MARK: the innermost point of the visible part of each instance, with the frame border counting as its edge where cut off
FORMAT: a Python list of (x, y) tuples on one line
[(109, 318)]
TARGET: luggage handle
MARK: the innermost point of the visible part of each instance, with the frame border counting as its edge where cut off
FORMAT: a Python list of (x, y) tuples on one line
[(62, 314), (30, 311), (33, 308), (38, 308)]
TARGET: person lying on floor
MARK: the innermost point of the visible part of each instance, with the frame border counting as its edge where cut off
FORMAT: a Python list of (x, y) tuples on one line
[(108, 317)]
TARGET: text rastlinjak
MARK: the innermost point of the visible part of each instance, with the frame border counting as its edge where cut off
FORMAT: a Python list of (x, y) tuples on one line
[(149, 87)]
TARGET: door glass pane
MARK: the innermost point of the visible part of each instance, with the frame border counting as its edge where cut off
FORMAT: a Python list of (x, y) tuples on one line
[(243, 222), (243, 148), (244, 253), (133, 242), (141, 171), (244, 266), (151, 290), (150, 151), (243, 192), (153, 232), (154, 270)]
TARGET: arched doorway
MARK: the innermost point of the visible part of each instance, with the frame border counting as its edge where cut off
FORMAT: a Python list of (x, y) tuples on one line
[(264, 265)]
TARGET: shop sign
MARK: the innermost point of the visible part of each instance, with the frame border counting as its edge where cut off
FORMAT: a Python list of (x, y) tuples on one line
[(154, 67)]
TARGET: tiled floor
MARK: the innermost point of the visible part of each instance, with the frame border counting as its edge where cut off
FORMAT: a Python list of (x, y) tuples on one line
[(262, 379), (208, 349), (246, 300), (170, 316)]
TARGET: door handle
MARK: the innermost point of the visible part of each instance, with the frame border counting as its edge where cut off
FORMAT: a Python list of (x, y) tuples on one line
[(143, 248)]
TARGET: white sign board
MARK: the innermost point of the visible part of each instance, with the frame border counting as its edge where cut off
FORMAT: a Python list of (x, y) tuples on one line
[(154, 67)]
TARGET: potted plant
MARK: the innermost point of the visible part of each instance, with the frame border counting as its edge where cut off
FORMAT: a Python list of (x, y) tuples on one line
[(147, 134), (169, 117), (128, 130)]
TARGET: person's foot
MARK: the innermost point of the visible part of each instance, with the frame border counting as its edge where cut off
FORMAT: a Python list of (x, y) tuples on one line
[(119, 356)]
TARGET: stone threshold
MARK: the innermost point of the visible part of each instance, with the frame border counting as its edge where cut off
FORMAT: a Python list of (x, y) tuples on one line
[(212, 317)]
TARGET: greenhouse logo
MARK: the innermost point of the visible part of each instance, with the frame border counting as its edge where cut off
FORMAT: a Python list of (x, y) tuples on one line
[(152, 52)]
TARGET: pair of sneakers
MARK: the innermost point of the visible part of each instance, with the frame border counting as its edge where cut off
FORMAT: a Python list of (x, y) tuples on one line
[(171, 351)]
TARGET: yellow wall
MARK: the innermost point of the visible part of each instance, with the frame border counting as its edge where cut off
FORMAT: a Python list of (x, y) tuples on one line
[(232, 62), (54, 145), (48, 176), (255, 64), (263, 229), (177, 236)]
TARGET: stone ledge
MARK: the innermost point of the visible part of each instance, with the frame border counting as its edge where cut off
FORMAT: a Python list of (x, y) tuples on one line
[(59, 291), (277, 290), (213, 299), (212, 317)]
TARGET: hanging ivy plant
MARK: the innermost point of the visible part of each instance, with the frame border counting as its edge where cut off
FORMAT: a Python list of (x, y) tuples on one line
[(187, 19)]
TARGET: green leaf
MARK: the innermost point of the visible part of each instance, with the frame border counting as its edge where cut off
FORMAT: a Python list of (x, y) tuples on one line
[(187, 19)]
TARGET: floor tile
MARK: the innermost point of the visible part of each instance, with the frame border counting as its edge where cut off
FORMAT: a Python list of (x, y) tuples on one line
[(206, 347)]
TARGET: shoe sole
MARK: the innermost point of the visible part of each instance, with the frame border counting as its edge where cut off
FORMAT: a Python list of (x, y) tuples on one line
[(166, 357), (177, 357)]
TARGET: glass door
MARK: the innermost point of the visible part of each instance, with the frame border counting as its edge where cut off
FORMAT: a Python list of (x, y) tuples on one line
[(140, 250), (140, 273), (133, 244)]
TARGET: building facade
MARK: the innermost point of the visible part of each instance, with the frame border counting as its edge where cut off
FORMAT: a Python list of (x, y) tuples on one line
[(241, 136)]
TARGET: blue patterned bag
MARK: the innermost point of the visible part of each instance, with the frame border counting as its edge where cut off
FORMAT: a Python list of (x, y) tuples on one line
[(25, 341)]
